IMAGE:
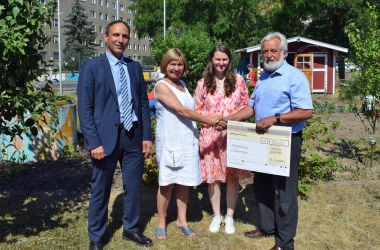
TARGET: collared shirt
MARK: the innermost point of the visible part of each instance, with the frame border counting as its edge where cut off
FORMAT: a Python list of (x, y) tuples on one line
[(283, 91), (115, 68)]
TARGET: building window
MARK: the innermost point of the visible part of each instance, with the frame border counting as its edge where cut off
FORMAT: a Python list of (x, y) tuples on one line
[(121, 7), (93, 1), (129, 46), (101, 16), (129, 21), (55, 39), (134, 46), (43, 55), (134, 56), (121, 19), (150, 39), (106, 4), (129, 10), (113, 18), (55, 22), (100, 29), (101, 2), (138, 47), (114, 6), (135, 36), (101, 43), (106, 17), (144, 47), (83, 0), (139, 58), (93, 14), (55, 55)]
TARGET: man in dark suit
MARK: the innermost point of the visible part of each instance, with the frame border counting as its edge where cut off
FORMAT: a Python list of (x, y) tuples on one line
[(114, 118)]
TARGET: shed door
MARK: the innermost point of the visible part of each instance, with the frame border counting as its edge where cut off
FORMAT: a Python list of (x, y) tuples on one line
[(320, 73), (304, 62)]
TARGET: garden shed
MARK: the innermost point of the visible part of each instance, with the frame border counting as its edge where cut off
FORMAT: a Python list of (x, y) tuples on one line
[(317, 60)]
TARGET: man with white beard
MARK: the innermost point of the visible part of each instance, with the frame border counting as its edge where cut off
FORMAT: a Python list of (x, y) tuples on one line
[(281, 97)]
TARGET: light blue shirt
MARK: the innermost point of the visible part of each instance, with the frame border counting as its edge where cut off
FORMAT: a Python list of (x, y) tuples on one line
[(283, 91), (115, 68)]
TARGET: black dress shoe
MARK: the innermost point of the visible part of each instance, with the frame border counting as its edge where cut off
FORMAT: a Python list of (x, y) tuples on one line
[(95, 245), (138, 238)]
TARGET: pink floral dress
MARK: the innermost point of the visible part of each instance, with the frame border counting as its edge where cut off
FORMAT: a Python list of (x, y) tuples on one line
[(212, 143)]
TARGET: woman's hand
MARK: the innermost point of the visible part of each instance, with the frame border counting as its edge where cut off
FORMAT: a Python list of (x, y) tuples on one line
[(217, 122)]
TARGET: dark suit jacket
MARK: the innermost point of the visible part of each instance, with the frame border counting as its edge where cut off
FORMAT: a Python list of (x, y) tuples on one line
[(98, 107)]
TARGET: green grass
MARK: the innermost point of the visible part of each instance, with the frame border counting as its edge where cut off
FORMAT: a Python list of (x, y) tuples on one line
[(334, 217)]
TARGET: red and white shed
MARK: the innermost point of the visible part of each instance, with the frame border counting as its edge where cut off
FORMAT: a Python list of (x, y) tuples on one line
[(316, 59)]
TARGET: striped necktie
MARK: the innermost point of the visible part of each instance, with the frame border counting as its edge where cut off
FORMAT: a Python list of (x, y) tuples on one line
[(125, 103)]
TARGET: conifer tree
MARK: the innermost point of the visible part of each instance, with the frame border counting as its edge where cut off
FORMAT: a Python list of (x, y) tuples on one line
[(80, 35)]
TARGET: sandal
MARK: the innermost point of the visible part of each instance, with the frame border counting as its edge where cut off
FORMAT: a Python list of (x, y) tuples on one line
[(161, 232), (187, 231)]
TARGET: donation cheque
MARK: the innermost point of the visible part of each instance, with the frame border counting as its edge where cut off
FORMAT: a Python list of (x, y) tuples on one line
[(260, 151)]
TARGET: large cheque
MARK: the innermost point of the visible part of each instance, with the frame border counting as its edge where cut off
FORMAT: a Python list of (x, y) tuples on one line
[(265, 152)]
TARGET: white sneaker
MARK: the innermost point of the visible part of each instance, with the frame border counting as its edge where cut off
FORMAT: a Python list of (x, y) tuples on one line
[(215, 224), (229, 225)]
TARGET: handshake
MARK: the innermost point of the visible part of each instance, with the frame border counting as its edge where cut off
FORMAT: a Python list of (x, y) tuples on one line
[(219, 122)]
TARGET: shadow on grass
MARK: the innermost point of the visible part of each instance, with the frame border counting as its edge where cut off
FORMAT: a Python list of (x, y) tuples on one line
[(198, 203), (29, 215), (51, 195), (37, 199)]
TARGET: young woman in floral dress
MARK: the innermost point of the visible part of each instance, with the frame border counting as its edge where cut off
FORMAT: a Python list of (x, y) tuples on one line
[(222, 92)]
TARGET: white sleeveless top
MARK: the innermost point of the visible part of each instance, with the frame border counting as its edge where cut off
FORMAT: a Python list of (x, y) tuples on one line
[(177, 142)]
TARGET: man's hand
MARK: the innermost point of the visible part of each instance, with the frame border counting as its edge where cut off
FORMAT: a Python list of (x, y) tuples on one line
[(266, 122), (147, 148), (217, 122), (98, 153)]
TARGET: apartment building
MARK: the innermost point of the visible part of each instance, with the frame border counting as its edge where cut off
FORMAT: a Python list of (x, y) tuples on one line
[(100, 12)]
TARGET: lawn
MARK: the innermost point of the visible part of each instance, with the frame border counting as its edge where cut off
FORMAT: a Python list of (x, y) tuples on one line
[(342, 216), (45, 206)]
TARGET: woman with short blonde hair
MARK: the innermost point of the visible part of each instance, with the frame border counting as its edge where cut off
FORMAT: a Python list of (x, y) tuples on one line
[(176, 141)]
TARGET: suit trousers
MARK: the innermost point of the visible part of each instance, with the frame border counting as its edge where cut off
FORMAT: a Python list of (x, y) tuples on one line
[(284, 228), (128, 151)]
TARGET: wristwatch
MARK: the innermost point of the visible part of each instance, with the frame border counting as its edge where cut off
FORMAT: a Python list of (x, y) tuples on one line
[(277, 115)]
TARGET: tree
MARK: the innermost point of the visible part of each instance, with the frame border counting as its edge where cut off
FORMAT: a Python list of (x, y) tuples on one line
[(364, 43), (148, 60), (195, 44), (231, 22), (80, 37), (21, 35)]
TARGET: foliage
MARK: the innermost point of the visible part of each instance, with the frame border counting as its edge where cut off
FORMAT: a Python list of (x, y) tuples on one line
[(148, 60), (150, 166), (68, 152), (81, 35), (195, 44), (329, 108), (231, 22), (8, 170), (21, 35), (314, 168), (365, 85)]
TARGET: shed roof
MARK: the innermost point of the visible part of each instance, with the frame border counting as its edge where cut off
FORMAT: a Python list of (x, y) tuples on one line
[(298, 39)]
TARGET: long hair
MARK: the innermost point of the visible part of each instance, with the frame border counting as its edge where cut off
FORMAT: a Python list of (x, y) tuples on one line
[(229, 81)]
